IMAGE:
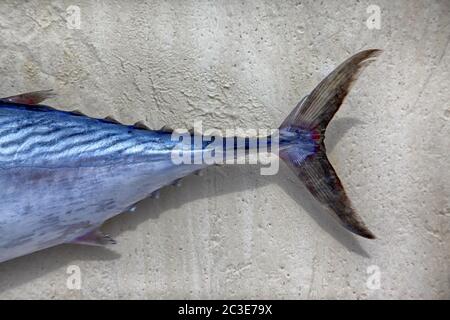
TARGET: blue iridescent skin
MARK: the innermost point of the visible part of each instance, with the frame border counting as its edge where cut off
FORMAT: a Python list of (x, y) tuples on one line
[(63, 175)]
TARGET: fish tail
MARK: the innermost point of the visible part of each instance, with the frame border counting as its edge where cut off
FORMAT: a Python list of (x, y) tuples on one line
[(311, 116)]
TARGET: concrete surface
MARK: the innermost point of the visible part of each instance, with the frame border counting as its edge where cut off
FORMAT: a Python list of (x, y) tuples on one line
[(233, 233)]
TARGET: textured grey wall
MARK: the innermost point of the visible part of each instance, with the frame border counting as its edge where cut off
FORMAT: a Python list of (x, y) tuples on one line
[(233, 233)]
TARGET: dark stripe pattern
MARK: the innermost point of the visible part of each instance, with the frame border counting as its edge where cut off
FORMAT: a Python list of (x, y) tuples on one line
[(33, 137)]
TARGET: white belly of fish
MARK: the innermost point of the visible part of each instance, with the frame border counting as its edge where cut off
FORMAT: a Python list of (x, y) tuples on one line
[(44, 207)]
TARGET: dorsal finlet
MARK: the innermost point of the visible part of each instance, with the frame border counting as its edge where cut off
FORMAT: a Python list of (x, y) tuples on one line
[(112, 120), (77, 112), (141, 125), (193, 132), (166, 129)]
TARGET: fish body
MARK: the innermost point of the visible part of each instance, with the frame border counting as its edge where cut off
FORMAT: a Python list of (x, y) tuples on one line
[(63, 174)]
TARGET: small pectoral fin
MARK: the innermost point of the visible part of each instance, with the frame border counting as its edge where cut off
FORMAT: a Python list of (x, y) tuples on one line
[(31, 98), (95, 238)]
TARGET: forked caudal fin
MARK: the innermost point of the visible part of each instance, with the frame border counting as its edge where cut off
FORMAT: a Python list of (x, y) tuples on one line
[(312, 115)]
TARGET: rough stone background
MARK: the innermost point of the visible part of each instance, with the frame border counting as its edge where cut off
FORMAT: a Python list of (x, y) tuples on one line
[(234, 233)]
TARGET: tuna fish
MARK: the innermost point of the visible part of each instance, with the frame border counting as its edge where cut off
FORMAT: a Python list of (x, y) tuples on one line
[(62, 174)]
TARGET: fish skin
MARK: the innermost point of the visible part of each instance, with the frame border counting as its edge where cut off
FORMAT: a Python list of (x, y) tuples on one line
[(63, 174)]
